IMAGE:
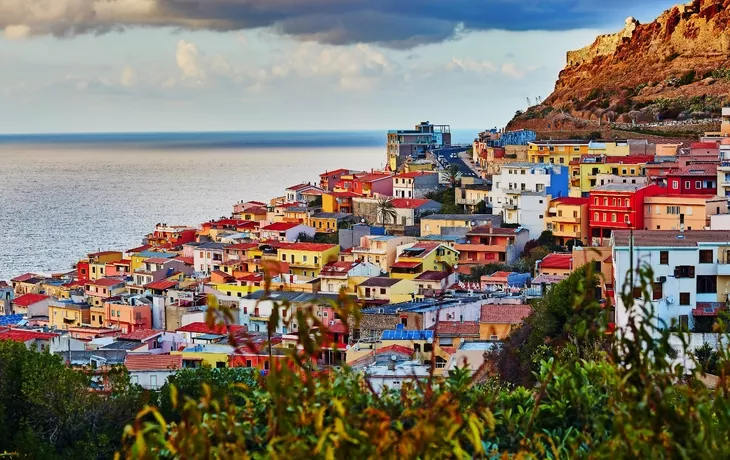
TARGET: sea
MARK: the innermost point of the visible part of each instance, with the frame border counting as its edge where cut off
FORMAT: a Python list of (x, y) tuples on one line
[(63, 196)]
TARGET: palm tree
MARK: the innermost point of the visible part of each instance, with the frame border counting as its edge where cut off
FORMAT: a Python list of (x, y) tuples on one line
[(386, 210), (453, 173)]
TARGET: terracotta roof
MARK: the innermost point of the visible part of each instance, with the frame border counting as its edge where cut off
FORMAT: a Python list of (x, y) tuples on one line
[(18, 335), (570, 201), (202, 328), (630, 160), (703, 145), (708, 308), (500, 274), (141, 362), (555, 260), (107, 282), (251, 277), (379, 281), (504, 314), (185, 260), (161, 285), (405, 264), (299, 187), (431, 275), (29, 299), (457, 328), (412, 174), (489, 230), (335, 172), (142, 248), (24, 277), (338, 268), (395, 349), (141, 334), (103, 253), (280, 226), (698, 169), (371, 177), (409, 203)]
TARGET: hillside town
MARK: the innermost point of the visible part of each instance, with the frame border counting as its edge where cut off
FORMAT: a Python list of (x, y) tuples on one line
[(443, 251)]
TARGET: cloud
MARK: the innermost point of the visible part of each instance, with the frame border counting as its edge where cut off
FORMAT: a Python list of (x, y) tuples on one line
[(391, 23), (128, 78), (189, 61)]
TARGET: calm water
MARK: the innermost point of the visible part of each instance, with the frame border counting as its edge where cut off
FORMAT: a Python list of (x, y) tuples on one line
[(63, 196)]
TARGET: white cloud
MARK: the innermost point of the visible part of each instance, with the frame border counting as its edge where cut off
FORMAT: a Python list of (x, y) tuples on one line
[(470, 65), (128, 77), (512, 70), (189, 61)]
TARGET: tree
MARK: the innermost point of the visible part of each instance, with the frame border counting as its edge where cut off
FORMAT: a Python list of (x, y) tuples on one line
[(453, 172), (386, 210)]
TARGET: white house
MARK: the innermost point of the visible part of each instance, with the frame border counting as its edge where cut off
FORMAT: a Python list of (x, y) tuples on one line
[(521, 193), (208, 257), (31, 305), (152, 371), (691, 273), (295, 192), (414, 184), (254, 313), (285, 231), (408, 211), (337, 275)]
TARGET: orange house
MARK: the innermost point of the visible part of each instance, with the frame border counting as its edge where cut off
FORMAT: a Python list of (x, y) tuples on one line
[(128, 318)]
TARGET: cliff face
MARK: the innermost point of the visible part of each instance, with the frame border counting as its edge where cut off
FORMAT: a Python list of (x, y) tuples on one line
[(676, 67)]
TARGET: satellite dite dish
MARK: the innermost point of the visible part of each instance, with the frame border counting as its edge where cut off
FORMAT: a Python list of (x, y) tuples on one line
[(430, 340), (393, 357), (670, 299)]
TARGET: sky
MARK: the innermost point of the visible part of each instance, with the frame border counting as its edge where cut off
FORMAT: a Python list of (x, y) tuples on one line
[(260, 65)]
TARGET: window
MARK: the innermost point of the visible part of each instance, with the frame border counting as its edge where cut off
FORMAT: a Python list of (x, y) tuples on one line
[(663, 257), (304, 258), (623, 171), (706, 284), (684, 298), (404, 321), (698, 184), (686, 184), (605, 201), (674, 210), (633, 171), (613, 201), (595, 216), (675, 184), (575, 214), (627, 203), (604, 217), (706, 256), (249, 363), (626, 218), (562, 160), (648, 209), (613, 217), (684, 271), (597, 266), (657, 291), (595, 201)]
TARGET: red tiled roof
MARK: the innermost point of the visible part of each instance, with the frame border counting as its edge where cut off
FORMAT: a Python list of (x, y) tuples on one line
[(106, 282), (141, 334), (406, 264), (630, 160), (395, 349), (699, 169), (251, 277), (338, 268), (242, 246), (221, 274), (122, 262), (140, 362), (409, 203), (299, 187), (703, 145), (335, 172), (374, 176), (456, 328), (554, 260), (570, 201), (185, 260), (280, 226), (161, 285), (102, 253), (142, 248), (504, 314), (432, 275), (500, 274), (202, 328), (18, 335), (156, 260), (23, 277), (256, 202), (255, 210), (29, 299), (413, 174)]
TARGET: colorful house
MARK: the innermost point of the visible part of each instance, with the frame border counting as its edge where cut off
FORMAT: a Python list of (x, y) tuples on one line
[(696, 179), (28, 283), (329, 179), (68, 314), (682, 211), (329, 222), (381, 290), (295, 193), (307, 259), (591, 166), (414, 184), (497, 321), (128, 317), (408, 211), (440, 224), (567, 219), (152, 371), (31, 305), (283, 231), (367, 183), (616, 207), (433, 283), (555, 264), (346, 275), (94, 266), (97, 291), (170, 236), (338, 201), (487, 244), (556, 151), (416, 258), (137, 259), (380, 250)]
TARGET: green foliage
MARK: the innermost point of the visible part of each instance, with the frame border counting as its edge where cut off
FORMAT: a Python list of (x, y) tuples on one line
[(447, 198), (386, 211), (706, 358), (594, 135), (687, 78), (721, 74), (48, 411)]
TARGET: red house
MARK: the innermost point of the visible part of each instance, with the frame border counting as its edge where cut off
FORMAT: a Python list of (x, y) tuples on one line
[(695, 179), (328, 179), (486, 244), (617, 207)]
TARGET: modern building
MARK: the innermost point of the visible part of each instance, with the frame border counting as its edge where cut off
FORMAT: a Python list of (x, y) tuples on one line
[(346, 275), (691, 273), (414, 184), (415, 142)]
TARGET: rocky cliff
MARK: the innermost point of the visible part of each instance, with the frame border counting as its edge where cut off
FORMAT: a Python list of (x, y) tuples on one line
[(676, 67)]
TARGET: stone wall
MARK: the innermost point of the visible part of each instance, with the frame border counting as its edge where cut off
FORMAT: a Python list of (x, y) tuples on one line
[(604, 45)]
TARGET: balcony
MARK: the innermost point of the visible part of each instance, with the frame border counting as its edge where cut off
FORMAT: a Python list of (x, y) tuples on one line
[(723, 268), (509, 206)]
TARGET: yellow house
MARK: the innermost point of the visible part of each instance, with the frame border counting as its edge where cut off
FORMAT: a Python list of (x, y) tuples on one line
[(98, 261), (137, 259), (557, 152), (433, 224), (307, 259), (416, 258), (56, 289), (568, 219), (665, 212), (213, 355), (329, 222), (497, 321), (65, 314), (98, 316), (591, 166), (380, 290), (609, 148)]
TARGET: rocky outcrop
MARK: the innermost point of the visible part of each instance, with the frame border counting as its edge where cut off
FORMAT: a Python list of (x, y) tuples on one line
[(675, 67)]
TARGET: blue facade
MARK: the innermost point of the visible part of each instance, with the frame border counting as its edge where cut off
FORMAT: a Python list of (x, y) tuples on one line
[(559, 181), (521, 137)]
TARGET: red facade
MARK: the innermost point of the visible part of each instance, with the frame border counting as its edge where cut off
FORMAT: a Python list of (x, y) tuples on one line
[(617, 207), (697, 179)]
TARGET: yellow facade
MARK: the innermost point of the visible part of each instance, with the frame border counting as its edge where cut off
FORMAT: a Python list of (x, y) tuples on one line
[(556, 153), (433, 226), (57, 291), (589, 172), (663, 212), (402, 291), (329, 203), (98, 316), (97, 270), (208, 358), (567, 220), (442, 259), (63, 317), (611, 149), (308, 262), (234, 290), (324, 224)]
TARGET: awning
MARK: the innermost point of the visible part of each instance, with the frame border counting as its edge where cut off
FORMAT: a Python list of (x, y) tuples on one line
[(405, 264)]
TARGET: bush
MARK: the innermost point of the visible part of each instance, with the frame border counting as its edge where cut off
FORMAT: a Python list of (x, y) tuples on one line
[(687, 78)]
